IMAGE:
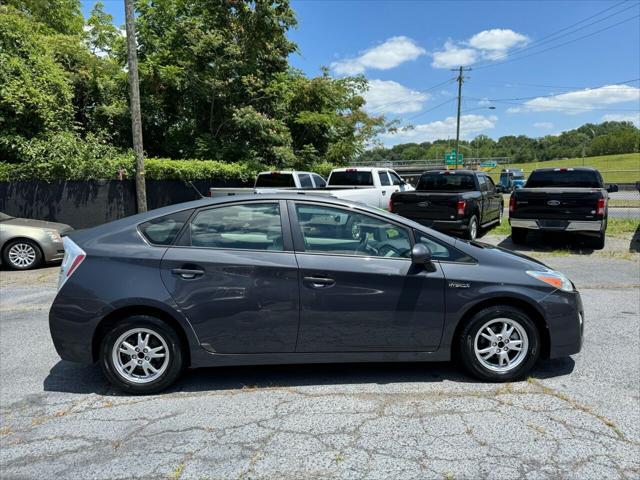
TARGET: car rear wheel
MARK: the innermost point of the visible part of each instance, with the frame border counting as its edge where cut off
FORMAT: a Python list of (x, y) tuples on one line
[(518, 235), (598, 242), (472, 228), (141, 355), (499, 344), (22, 254)]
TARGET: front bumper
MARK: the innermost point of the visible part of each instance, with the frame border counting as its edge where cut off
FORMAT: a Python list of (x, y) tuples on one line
[(558, 225), (564, 315)]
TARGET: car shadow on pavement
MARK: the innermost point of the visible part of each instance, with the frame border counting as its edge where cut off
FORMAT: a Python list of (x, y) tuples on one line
[(550, 242), (74, 378)]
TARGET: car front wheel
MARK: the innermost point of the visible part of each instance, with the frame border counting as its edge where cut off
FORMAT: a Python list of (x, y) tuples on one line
[(499, 344), (141, 355), (22, 254)]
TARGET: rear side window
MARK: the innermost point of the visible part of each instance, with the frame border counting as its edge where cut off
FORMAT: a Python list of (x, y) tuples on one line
[(275, 180), (305, 180), (353, 178), (384, 178), (564, 178), (483, 184), (164, 230), (251, 226)]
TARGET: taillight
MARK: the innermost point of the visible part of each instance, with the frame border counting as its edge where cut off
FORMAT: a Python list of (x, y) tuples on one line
[(461, 206), (73, 257), (602, 204), (512, 204)]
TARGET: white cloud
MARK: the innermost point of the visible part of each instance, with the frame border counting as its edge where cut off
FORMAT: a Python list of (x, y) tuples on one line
[(387, 96), (620, 117), (470, 125), (390, 54), (584, 100), (491, 44), (495, 43), (543, 125), (484, 102), (454, 56)]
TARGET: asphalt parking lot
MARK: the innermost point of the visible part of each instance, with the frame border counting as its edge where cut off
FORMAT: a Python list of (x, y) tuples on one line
[(574, 418)]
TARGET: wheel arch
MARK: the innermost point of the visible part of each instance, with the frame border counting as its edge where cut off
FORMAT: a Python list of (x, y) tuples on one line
[(113, 317), (527, 307)]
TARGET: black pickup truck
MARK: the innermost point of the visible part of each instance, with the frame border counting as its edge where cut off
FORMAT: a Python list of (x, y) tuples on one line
[(561, 200), (462, 201)]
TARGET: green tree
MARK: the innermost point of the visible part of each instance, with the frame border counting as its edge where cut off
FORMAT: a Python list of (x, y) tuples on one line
[(101, 33)]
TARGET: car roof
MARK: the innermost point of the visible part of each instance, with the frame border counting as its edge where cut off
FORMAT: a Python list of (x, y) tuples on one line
[(460, 170), (554, 169)]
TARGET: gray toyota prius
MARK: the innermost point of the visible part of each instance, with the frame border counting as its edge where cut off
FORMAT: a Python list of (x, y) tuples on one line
[(295, 278)]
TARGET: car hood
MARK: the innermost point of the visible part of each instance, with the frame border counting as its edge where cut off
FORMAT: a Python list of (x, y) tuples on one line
[(27, 222), (499, 254)]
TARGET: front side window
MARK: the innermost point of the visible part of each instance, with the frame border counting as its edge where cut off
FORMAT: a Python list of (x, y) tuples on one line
[(384, 178), (439, 251), (320, 182), (250, 226), (395, 178), (164, 230), (346, 232), (305, 180)]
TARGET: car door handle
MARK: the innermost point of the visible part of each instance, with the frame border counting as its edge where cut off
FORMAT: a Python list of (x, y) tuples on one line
[(319, 282), (384, 192), (188, 273)]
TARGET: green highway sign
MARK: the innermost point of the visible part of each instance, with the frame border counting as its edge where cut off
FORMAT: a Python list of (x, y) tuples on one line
[(450, 158)]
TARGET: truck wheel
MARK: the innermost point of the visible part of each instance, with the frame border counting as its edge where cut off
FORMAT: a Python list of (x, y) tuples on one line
[(518, 235), (472, 229), (598, 242)]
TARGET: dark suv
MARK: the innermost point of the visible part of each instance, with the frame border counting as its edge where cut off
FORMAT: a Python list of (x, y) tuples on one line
[(273, 279)]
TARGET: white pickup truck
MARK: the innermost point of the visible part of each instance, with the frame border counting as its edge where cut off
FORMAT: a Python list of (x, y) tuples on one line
[(368, 185), (271, 182)]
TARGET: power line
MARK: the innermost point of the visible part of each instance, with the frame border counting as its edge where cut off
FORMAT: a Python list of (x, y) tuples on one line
[(548, 38), (431, 109), (409, 98), (559, 45)]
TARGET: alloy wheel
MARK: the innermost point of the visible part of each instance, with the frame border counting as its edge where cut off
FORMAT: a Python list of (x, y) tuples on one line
[(22, 255), (501, 344), (140, 355)]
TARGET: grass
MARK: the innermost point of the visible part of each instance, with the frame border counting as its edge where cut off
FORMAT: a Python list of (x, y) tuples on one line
[(612, 167), (616, 227)]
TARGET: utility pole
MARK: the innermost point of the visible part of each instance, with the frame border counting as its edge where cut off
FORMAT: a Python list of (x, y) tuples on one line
[(460, 79), (134, 102)]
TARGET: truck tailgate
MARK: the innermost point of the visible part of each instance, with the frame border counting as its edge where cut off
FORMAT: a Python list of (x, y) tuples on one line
[(423, 206), (556, 203)]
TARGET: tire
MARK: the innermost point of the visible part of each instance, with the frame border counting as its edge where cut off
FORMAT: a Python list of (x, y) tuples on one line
[(473, 228), (22, 254), (525, 332), (162, 338), (597, 243), (518, 235)]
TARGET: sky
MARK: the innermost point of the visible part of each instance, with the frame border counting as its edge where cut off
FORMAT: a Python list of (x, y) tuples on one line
[(537, 67)]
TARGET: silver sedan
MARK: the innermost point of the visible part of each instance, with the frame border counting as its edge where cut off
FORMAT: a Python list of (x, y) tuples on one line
[(26, 243)]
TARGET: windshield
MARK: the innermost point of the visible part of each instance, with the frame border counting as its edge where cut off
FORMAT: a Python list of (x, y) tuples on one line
[(564, 178), (275, 179), (445, 181), (351, 178), (4, 216)]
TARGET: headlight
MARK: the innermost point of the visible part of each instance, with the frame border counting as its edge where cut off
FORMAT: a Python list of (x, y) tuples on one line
[(54, 236), (553, 278)]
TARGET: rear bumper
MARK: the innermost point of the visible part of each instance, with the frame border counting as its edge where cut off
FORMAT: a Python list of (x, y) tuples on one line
[(558, 225), (446, 225)]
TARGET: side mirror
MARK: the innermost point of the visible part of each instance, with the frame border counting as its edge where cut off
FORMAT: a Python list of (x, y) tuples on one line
[(420, 254), (612, 188)]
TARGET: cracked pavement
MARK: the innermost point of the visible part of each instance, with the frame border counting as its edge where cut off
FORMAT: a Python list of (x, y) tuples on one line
[(574, 418)]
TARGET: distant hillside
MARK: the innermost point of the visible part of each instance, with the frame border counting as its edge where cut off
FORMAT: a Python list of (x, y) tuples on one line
[(589, 140)]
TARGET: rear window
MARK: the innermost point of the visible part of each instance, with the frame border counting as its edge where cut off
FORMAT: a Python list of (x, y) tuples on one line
[(351, 178), (275, 179), (445, 181), (564, 179), (164, 230)]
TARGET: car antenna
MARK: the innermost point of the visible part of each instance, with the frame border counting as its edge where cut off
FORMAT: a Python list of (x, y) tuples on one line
[(196, 189)]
